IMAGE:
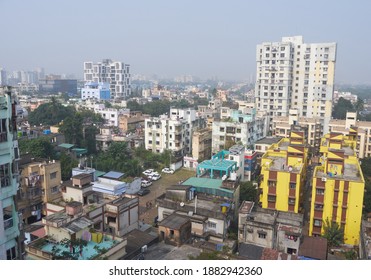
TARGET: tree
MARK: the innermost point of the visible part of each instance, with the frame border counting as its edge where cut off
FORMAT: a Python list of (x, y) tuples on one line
[(90, 142), (51, 113), (341, 108), (333, 233), (72, 129), (38, 148), (248, 192), (67, 163)]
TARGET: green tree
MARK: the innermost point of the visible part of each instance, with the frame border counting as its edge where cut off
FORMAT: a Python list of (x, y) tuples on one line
[(72, 128), (51, 113), (89, 141), (359, 105), (67, 163), (38, 148), (248, 192), (341, 108), (333, 233)]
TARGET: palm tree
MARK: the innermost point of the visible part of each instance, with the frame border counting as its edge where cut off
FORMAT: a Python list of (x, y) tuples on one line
[(333, 233)]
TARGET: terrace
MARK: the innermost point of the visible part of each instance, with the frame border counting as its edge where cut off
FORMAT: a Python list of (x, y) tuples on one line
[(100, 246)]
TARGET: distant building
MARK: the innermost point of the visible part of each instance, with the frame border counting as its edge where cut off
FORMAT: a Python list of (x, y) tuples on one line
[(345, 95), (97, 91), (201, 144), (55, 86), (116, 73), (281, 127), (351, 124)]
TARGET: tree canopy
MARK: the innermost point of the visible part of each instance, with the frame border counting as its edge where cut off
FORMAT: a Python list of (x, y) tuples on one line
[(38, 148), (341, 108), (51, 113), (333, 233)]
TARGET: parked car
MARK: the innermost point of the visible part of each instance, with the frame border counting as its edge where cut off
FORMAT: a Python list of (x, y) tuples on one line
[(148, 172), (143, 192), (146, 183), (155, 176), (168, 170)]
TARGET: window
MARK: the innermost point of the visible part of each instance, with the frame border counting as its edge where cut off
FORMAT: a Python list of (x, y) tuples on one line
[(3, 131), (292, 185), (211, 225), (5, 175), (291, 201), (317, 223), (238, 130), (221, 129), (262, 235), (54, 190), (11, 254), (320, 192), (271, 198), (221, 138), (53, 175)]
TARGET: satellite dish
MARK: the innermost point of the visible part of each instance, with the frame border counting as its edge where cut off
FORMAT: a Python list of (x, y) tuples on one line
[(181, 204)]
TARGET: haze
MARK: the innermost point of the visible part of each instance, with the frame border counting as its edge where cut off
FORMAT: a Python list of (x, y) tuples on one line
[(170, 38)]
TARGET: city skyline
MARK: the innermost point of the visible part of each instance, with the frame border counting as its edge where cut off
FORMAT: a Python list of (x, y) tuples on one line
[(207, 39)]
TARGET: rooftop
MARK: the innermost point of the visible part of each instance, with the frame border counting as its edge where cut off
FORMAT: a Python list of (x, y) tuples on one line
[(268, 140), (206, 183), (351, 173), (279, 164), (114, 175), (66, 145), (174, 221)]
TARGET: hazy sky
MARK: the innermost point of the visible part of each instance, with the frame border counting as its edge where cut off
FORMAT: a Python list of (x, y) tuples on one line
[(171, 37)]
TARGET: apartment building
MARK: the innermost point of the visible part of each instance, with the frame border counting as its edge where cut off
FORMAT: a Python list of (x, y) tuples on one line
[(172, 132), (201, 144), (338, 188), (298, 75), (96, 91), (281, 127), (240, 127), (132, 121), (116, 73), (110, 115), (40, 183), (351, 124), (10, 238), (283, 174)]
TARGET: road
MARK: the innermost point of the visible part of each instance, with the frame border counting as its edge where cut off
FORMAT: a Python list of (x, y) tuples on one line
[(147, 203)]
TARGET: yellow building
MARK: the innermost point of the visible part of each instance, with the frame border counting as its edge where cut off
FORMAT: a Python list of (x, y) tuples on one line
[(283, 174), (338, 187)]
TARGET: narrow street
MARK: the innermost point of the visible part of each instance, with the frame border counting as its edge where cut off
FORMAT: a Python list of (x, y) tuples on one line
[(147, 203)]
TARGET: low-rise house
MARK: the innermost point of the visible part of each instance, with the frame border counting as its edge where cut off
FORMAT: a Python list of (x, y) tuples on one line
[(269, 228)]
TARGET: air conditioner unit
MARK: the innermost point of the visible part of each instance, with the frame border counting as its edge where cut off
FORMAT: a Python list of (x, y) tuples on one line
[(324, 179)]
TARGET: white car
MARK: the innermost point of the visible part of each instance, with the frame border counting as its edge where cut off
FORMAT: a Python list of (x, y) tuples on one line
[(148, 172), (155, 176), (146, 183), (168, 170)]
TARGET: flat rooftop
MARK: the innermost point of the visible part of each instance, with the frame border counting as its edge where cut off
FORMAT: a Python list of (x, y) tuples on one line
[(351, 173), (279, 164), (268, 140)]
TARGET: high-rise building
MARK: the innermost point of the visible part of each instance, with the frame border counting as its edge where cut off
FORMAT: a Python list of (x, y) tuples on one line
[(338, 188), (9, 221), (295, 75), (116, 73)]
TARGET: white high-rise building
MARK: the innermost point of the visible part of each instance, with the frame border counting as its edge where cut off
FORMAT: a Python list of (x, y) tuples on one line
[(295, 75), (116, 73)]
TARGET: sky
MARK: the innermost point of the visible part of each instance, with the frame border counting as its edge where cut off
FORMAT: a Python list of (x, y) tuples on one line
[(204, 38)]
